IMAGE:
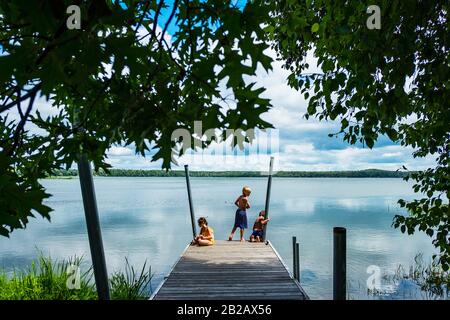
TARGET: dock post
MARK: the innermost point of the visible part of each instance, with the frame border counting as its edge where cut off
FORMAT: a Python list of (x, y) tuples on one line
[(297, 254), (269, 186), (93, 227), (191, 207), (294, 257), (339, 263)]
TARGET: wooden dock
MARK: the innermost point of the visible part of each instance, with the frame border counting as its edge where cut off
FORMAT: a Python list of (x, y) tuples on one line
[(230, 270)]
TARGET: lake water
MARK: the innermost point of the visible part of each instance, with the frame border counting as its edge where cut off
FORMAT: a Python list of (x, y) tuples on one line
[(148, 219)]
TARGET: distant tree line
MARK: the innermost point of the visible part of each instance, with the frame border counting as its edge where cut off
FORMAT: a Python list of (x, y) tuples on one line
[(369, 173)]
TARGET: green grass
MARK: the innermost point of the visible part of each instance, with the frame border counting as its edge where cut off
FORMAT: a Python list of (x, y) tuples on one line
[(47, 279), (130, 285)]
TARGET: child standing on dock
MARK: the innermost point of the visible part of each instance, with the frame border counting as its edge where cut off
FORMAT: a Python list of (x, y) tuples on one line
[(260, 222), (206, 236), (240, 220)]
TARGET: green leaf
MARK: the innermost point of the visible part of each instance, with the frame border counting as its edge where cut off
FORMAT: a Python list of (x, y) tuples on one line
[(109, 87)]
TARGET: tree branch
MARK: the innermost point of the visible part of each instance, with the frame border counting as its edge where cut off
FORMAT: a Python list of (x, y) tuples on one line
[(147, 5), (155, 21), (172, 14), (19, 107), (30, 94), (21, 125)]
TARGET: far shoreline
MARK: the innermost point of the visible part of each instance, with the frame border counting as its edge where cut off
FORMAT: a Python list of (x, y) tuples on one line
[(128, 173)]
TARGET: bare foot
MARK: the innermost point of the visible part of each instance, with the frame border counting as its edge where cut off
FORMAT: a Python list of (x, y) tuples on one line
[(242, 240), (230, 238)]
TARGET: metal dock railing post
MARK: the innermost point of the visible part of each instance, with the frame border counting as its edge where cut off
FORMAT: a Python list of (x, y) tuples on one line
[(339, 263), (92, 221), (93, 227), (191, 207), (297, 254), (294, 257), (269, 186)]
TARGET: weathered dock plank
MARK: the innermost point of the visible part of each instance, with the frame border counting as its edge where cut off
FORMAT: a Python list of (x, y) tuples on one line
[(230, 270)]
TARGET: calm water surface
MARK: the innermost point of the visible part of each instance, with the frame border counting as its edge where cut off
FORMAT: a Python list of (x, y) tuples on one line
[(148, 219)]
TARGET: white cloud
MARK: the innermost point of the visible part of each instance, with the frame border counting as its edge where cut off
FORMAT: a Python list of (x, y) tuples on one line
[(116, 151), (306, 157)]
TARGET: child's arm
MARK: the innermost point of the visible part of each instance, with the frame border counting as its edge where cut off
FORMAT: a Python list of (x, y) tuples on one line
[(211, 236), (265, 221), (247, 205), (237, 202)]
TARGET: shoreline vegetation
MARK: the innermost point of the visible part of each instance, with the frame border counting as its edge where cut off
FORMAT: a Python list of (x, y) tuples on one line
[(368, 173), (428, 276), (71, 279)]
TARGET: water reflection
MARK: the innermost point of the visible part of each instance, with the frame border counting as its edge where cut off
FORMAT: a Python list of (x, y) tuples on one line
[(148, 219)]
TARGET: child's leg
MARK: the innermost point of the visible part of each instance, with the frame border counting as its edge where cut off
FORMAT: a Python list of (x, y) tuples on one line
[(232, 233), (242, 234), (202, 242)]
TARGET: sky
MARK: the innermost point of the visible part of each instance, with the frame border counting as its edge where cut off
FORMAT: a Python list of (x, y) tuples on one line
[(296, 143)]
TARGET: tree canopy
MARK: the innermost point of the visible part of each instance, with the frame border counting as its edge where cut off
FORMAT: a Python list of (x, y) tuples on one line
[(118, 80), (392, 81)]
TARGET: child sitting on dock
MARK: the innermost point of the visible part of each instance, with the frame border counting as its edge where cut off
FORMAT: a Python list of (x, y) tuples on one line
[(240, 220), (206, 236), (258, 226)]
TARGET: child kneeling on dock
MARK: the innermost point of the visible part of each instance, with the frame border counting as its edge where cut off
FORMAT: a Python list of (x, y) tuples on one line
[(206, 236), (257, 235)]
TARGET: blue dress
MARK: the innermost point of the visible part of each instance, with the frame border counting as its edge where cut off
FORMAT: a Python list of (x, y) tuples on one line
[(240, 220)]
